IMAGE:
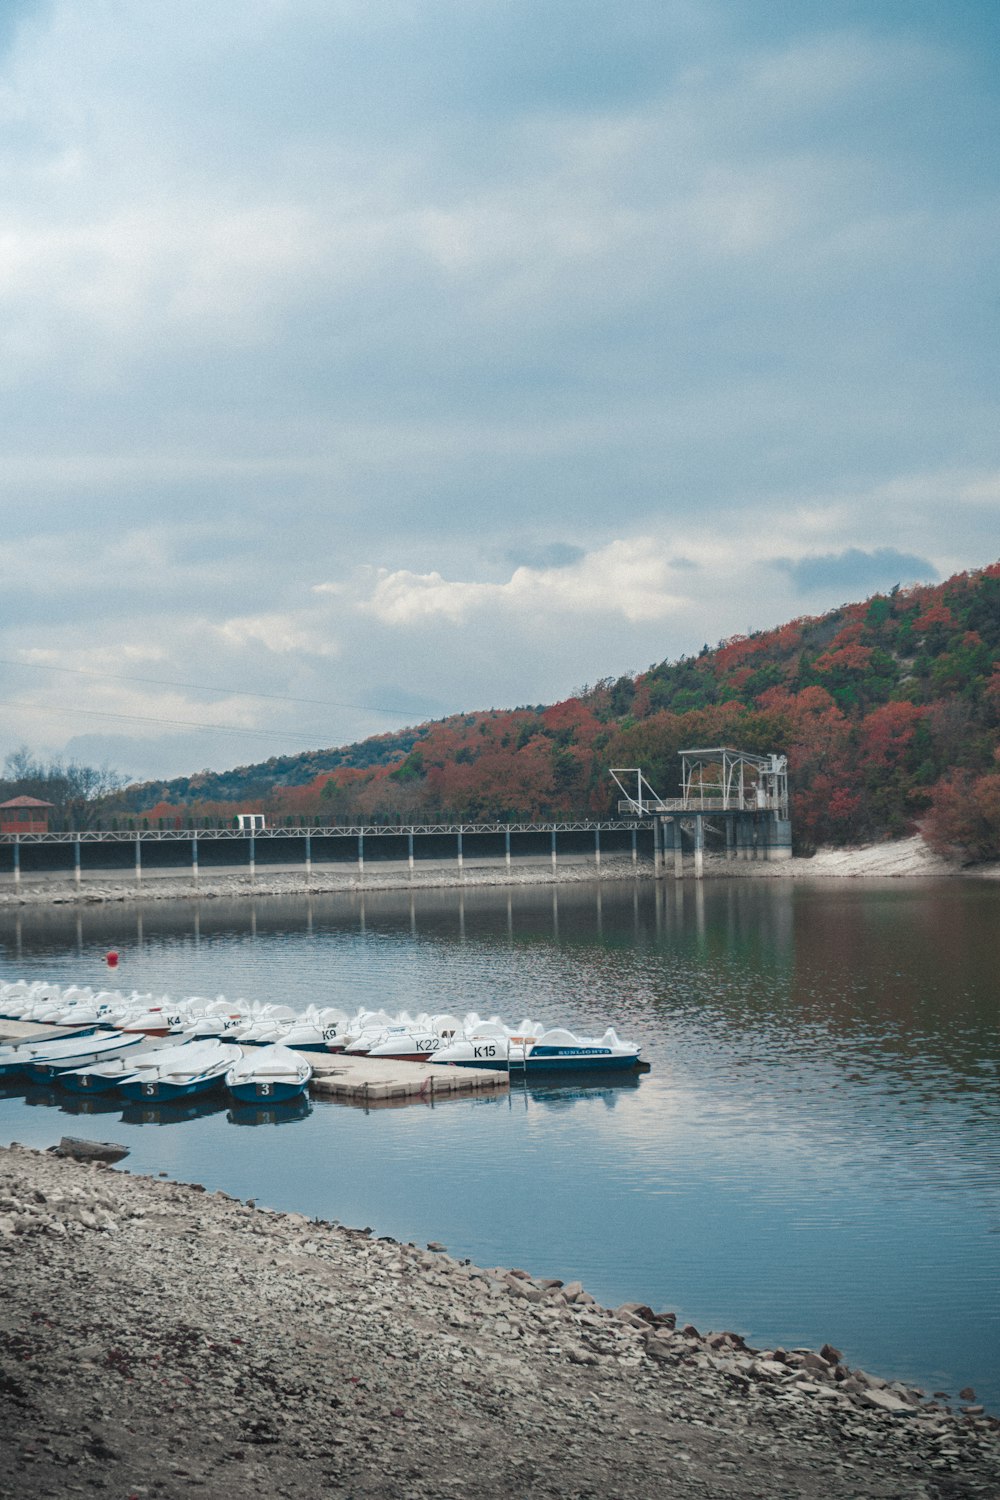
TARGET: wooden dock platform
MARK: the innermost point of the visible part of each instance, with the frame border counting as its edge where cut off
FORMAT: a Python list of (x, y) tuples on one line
[(379, 1080)]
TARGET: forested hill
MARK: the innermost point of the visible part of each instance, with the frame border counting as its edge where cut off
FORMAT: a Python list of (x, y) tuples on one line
[(888, 710), (257, 781)]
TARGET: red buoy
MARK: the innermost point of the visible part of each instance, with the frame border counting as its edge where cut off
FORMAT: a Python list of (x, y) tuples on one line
[(111, 959)]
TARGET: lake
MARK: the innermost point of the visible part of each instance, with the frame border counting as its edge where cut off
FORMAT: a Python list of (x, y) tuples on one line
[(814, 1156)]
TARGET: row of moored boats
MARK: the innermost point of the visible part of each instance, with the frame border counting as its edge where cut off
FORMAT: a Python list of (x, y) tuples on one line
[(155, 1048)]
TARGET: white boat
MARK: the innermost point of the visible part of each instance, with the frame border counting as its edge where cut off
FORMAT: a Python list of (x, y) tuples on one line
[(194, 1068), (156, 1021), (274, 1074), (57, 1057), (554, 1051), (405, 1046), (416, 1043), (17, 1057), (106, 1073)]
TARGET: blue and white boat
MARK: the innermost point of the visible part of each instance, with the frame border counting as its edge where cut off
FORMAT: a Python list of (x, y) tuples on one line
[(61, 1056), (554, 1051), (17, 1057), (106, 1073), (271, 1075), (193, 1068)]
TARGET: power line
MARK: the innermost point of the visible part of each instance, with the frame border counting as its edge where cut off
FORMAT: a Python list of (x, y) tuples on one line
[(93, 713), (199, 687)]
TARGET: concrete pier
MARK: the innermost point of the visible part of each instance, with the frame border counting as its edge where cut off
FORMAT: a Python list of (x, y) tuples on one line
[(382, 1080)]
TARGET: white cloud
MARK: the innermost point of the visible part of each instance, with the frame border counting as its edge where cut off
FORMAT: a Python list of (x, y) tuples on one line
[(627, 577), (285, 633)]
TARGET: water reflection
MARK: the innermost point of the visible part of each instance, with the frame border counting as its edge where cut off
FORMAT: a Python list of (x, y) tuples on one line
[(583, 1083), (275, 1114), (585, 1089), (68, 1104), (181, 1112)]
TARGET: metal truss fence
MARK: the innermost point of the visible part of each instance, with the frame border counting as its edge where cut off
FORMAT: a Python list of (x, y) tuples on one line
[(323, 831)]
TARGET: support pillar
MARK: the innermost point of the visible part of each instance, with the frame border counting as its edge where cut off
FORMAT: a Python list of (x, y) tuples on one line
[(194, 857), (506, 848), (77, 872), (309, 856), (253, 858), (730, 851), (17, 864), (409, 852), (659, 835), (138, 860), (361, 854), (699, 848), (597, 850), (461, 861), (553, 851), (635, 850)]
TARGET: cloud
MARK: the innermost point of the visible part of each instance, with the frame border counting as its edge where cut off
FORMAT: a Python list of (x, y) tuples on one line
[(284, 633), (629, 578), (477, 350), (856, 572)]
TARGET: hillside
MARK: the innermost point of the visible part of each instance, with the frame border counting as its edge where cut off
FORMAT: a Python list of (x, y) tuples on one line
[(888, 710)]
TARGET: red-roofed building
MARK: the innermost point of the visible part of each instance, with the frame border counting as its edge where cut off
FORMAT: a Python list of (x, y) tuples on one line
[(24, 815)]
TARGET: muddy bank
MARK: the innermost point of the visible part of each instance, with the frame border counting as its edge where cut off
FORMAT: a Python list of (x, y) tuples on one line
[(159, 1340)]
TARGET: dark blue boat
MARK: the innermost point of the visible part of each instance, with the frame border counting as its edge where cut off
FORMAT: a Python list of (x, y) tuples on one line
[(200, 1067)]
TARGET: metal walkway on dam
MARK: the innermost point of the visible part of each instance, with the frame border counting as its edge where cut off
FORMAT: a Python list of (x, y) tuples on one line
[(732, 795), (149, 852)]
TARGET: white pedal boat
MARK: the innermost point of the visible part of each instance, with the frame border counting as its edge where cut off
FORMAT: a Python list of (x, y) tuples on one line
[(554, 1051)]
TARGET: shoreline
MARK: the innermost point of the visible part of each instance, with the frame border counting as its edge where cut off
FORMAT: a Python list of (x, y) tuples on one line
[(264, 1349), (903, 859)]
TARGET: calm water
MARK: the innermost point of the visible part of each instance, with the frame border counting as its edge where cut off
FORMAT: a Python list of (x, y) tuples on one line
[(814, 1156)]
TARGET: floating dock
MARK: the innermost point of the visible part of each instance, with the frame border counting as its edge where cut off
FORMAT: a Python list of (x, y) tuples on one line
[(381, 1080), (354, 1080)]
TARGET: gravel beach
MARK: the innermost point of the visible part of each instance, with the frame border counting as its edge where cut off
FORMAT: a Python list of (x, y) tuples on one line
[(159, 1340)]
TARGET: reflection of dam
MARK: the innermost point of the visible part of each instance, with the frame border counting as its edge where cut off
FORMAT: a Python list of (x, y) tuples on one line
[(137, 855), (747, 917)]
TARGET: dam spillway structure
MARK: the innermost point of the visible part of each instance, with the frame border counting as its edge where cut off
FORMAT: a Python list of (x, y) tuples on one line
[(734, 798)]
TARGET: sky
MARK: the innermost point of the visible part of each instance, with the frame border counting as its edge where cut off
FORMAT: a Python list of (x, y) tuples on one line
[(363, 364)]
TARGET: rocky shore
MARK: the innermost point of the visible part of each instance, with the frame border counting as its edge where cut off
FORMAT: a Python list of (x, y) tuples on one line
[(159, 1340)]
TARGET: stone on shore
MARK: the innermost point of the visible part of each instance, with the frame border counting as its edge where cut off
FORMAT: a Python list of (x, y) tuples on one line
[(82, 1150)]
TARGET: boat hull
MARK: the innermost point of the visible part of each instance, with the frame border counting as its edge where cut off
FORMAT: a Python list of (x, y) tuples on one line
[(268, 1090), (584, 1060), (87, 1083), (568, 1060), (166, 1091)]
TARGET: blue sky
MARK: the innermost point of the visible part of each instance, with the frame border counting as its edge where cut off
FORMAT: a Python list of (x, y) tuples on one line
[(363, 364)]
